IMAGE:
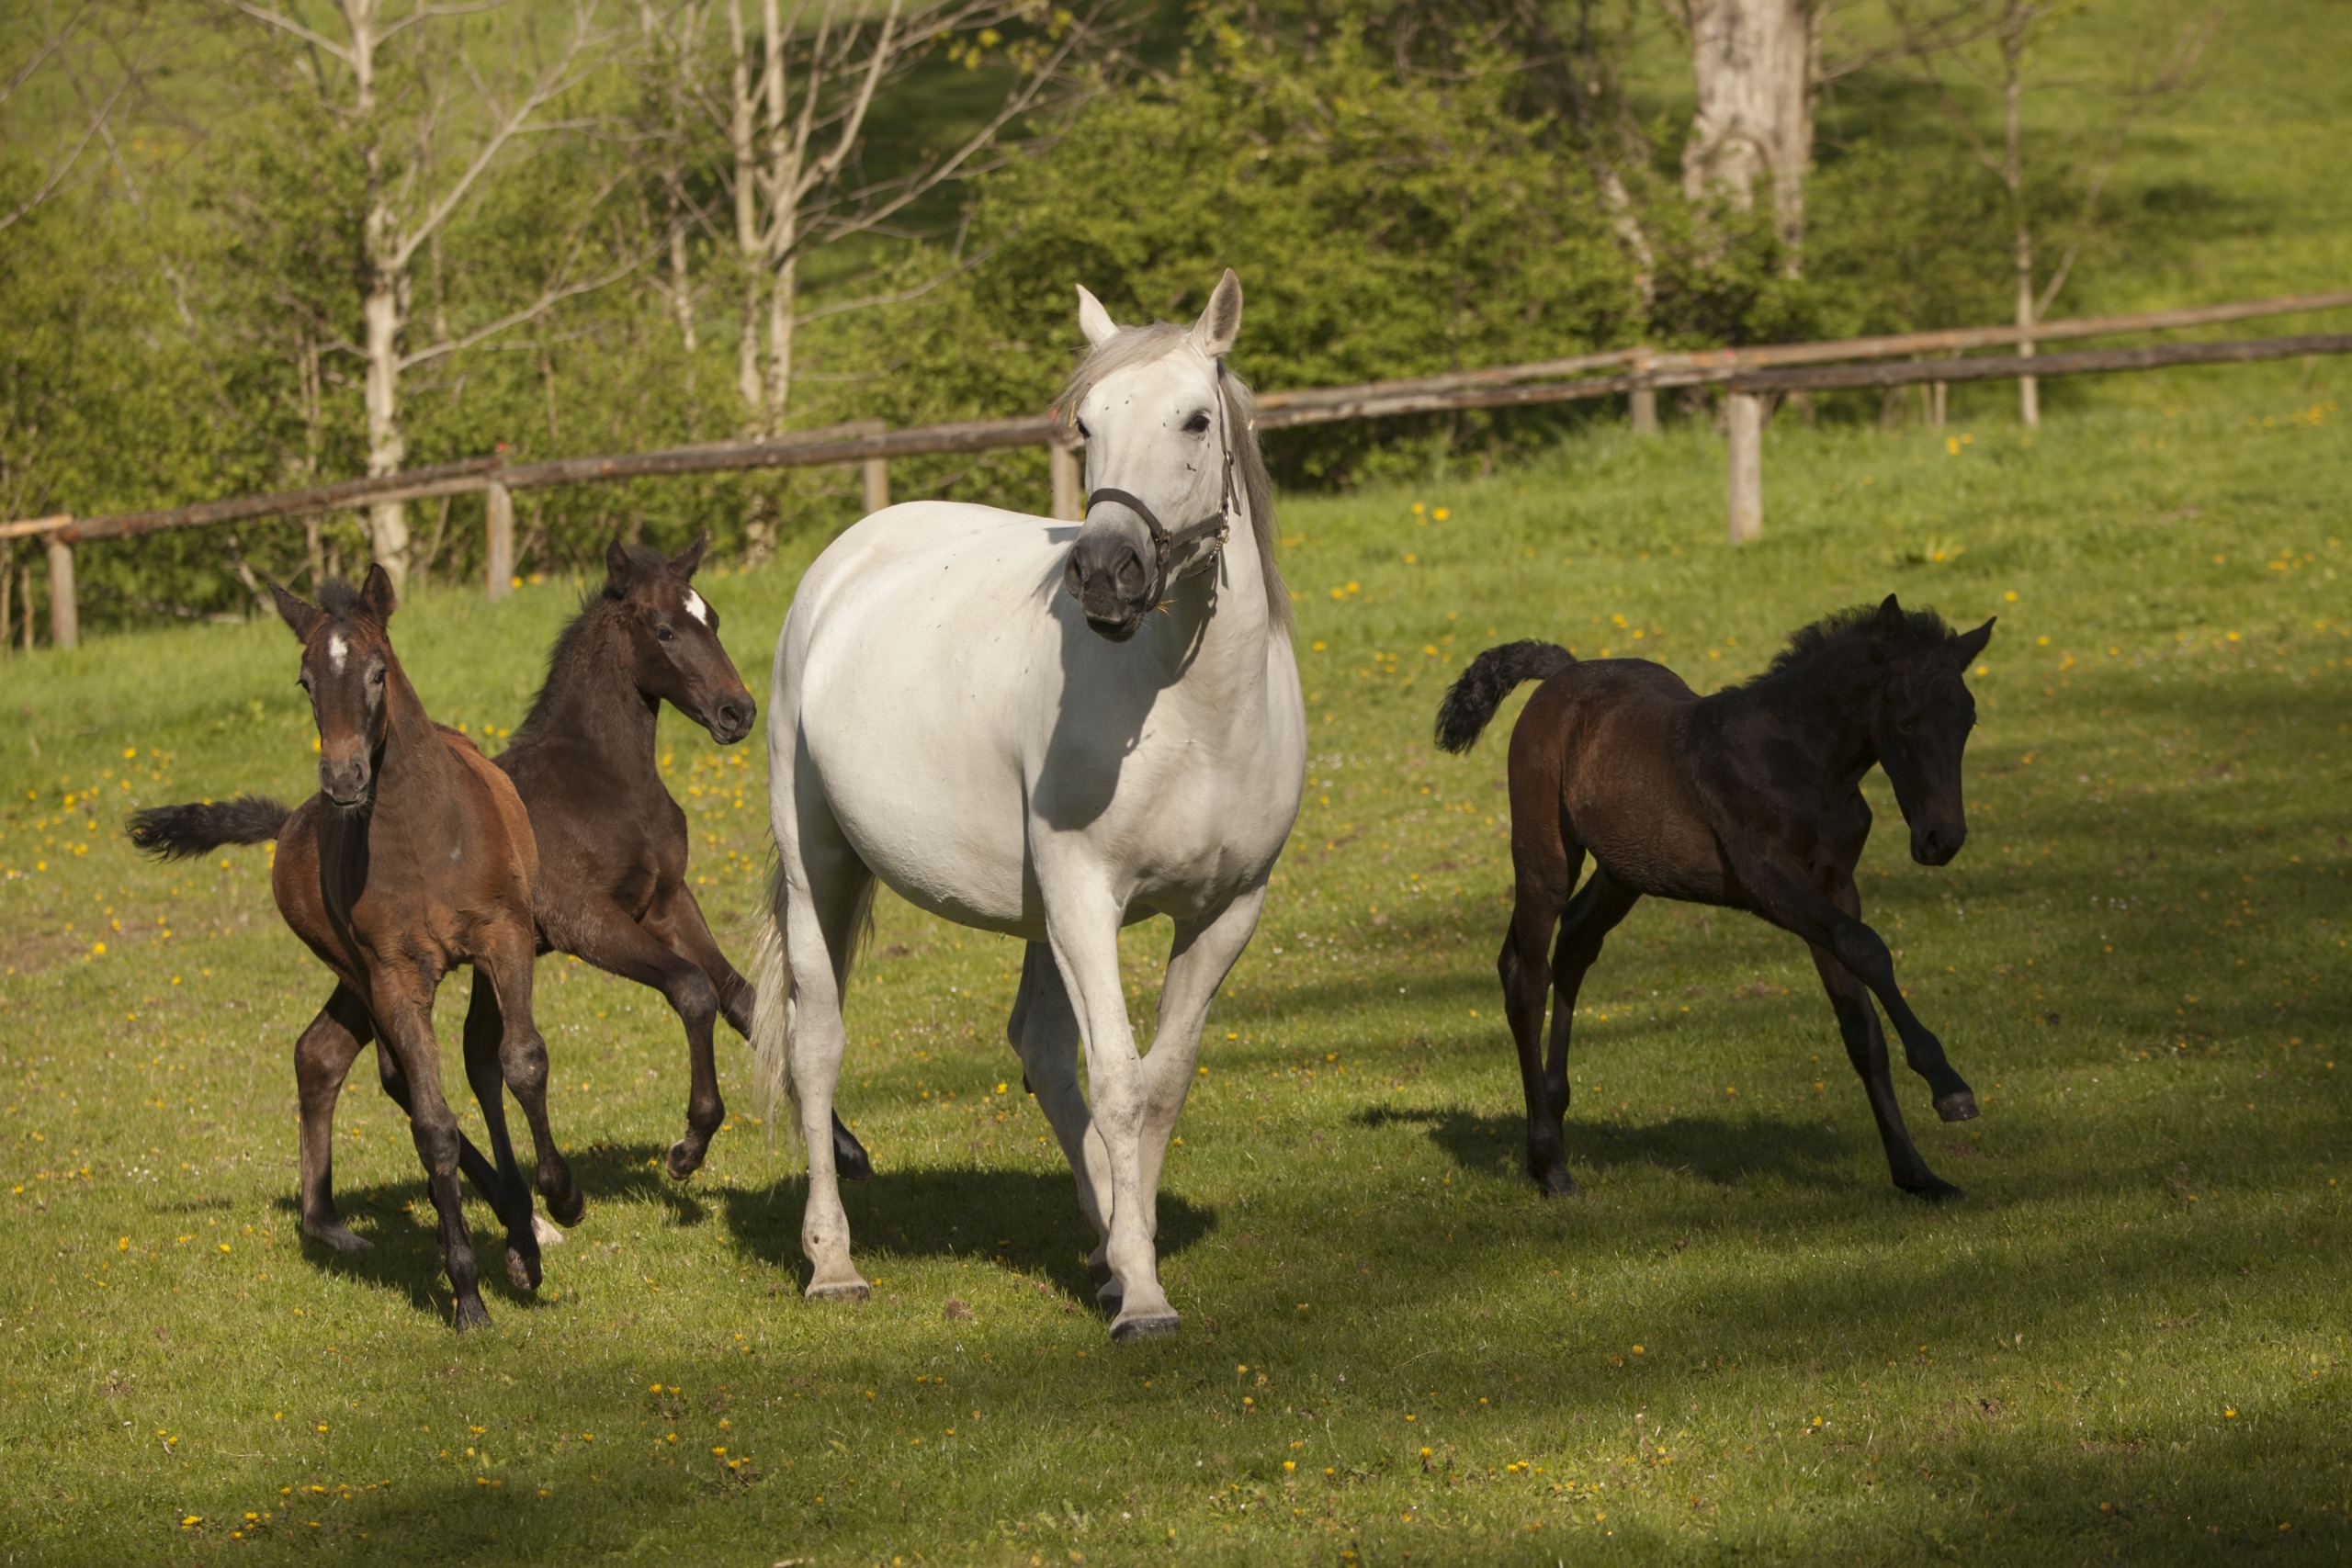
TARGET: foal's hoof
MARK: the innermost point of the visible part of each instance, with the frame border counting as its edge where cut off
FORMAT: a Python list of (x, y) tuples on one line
[(1935, 1190), (1143, 1326), (334, 1235), (1556, 1182), (471, 1314), (547, 1231), (522, 1267), (685, 1158), (851, 1290), (851, 1162), (567, 1207), (1960, 1105)]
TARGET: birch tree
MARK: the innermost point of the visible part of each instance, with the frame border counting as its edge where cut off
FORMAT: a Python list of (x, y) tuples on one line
[(2001, 47), (801, 89), (438, 106)]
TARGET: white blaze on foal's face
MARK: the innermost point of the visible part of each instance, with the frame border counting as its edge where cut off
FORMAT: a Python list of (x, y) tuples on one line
[(338, 651), (696, 608)]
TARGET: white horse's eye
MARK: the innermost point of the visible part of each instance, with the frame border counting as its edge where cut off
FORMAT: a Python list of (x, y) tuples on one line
[(1083, 433), (1197, 425)]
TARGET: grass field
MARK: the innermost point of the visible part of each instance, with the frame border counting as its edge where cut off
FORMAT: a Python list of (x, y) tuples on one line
[(2128, 1344)]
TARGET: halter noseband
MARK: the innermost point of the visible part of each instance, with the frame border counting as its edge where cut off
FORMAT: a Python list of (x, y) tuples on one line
[(1167, 542)]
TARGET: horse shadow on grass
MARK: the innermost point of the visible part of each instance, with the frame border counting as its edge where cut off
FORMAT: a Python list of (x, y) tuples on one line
[(1719, 1150), (405, 1255), (1025, 1221)]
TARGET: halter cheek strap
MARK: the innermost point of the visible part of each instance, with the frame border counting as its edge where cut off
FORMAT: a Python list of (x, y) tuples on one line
[(1166, 542)]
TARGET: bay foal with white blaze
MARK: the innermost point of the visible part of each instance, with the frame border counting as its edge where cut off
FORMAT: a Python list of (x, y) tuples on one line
[(983, 710)]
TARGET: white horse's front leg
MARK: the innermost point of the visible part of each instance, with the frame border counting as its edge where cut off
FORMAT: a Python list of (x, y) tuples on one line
[(1045, 1032), (1202, 954), (1082, 925)]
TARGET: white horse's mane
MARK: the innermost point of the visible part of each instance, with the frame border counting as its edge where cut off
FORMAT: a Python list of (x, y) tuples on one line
[(1132, 346)]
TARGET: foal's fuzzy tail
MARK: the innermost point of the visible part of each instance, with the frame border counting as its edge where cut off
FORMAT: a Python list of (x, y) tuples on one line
[(1471, 702), (772, 1015), (176, 832)]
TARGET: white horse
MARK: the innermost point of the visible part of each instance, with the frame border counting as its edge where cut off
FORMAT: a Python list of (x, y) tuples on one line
[(981, 709)]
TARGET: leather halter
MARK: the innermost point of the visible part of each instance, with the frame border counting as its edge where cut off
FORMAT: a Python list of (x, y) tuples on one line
[(1167, 542)]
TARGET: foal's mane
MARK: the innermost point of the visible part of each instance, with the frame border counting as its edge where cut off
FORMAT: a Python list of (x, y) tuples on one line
[(1131, 346), (1847, 631), (569, 650), (338, 598)]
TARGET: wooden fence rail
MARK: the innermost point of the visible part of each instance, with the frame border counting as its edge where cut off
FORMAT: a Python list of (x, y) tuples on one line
[(1748, 375)]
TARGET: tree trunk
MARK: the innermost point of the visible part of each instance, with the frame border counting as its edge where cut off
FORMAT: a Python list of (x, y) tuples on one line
[(2015, 28), (751, 255), (384, 311), (1755, 62)]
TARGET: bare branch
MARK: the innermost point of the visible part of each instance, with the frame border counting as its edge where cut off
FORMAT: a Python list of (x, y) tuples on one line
[(290, 26)]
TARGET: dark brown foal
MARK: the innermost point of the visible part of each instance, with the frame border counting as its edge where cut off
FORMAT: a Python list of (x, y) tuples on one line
[(613, 843), (416, 856), (1749, 799)]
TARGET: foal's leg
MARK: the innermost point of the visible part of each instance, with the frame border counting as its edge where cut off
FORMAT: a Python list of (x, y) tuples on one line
[(1544, 864), (408, 1036), (486, 1181), (1045, 1035), (675, 919), (1785, 896), (1866, 1048), (1596, 910), (512, 1201), (507, 967), (611, 941), (322, 1058)]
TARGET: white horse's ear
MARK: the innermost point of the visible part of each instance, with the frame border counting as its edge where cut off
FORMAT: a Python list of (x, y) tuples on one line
[(1093, 320), (1221, 322)]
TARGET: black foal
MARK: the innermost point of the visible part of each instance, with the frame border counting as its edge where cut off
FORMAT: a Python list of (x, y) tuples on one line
[(1749, 799)]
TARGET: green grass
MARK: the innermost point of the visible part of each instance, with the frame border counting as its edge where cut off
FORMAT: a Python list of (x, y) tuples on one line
[(2129, 1344)]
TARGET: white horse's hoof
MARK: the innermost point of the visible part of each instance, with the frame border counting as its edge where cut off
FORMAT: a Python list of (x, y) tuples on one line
[(852, 1290), (547, 1230), (1143, 1326)]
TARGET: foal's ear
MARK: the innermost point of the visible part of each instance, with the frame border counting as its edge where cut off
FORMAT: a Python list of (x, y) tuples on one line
[(1221, 322), (1968, 645), (1093, 320), (1887, 625), (298, 614), (687, 563), (376, 595), (619, 570)]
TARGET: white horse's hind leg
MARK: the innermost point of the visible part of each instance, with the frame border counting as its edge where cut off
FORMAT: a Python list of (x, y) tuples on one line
[(826, 888), (1045, 1032), (1202, 954), (1083, 926)]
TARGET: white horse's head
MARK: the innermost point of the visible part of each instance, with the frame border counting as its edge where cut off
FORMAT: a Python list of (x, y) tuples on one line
[(1171, 464)]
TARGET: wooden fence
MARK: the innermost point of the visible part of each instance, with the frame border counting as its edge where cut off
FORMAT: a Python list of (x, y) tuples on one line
[(1748, 375)]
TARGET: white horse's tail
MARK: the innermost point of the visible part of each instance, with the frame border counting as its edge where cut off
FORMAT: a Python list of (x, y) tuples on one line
[(772, 1014)]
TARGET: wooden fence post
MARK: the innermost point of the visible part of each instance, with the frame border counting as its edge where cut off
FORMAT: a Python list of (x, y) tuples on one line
[(1744, 427), (878, 484), (1067, 503), (7, 589), (498, 553), (64, 619), (1642, 402)]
